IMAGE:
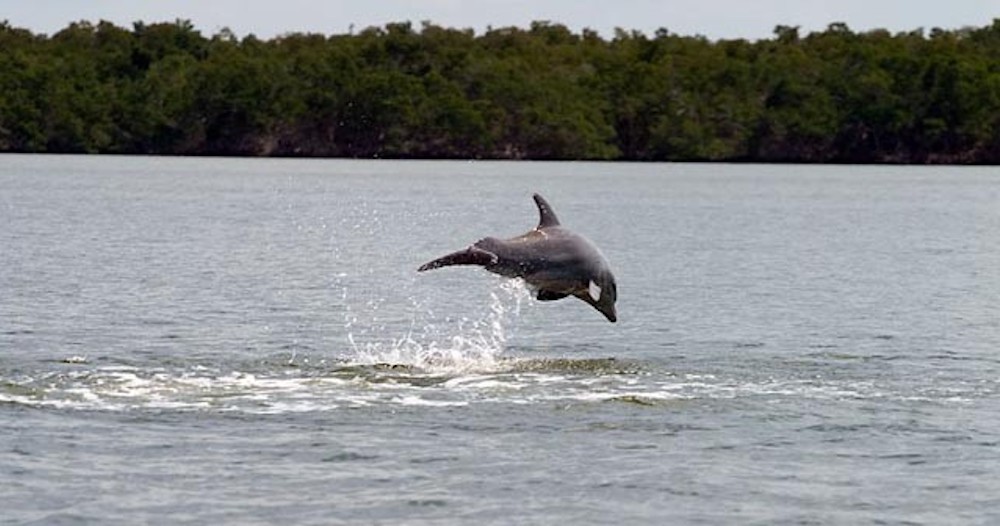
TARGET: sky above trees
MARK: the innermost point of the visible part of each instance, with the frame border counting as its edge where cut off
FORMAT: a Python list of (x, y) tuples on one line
[(715, 19)]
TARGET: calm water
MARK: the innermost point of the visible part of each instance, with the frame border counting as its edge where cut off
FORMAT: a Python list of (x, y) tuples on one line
[(247, 342)]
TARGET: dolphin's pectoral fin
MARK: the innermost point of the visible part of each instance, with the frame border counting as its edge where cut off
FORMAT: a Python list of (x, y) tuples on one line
[(469, 256), (549, 295)]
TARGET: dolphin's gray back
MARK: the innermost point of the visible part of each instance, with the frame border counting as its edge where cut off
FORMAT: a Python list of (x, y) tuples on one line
[(554, 251)]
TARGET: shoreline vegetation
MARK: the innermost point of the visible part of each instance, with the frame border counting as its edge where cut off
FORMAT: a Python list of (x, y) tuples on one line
[(542, 92)]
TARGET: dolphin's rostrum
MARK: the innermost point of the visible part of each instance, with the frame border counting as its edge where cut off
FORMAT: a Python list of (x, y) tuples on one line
[(553, 260)]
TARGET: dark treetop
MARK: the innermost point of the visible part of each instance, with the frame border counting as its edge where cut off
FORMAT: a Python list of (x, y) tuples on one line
[(540, 93)]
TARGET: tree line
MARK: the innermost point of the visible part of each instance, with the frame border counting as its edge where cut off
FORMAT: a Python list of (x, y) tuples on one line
[(542, 92)]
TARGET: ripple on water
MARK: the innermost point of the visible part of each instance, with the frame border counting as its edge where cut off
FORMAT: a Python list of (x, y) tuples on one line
[(270, 388)]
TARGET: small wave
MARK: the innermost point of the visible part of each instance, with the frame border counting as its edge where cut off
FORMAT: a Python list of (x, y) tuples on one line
[(274, 389)]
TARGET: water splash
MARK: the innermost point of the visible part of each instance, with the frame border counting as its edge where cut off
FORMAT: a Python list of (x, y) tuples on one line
[(467, 345)]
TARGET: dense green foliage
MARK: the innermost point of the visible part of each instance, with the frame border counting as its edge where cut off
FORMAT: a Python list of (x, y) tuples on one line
[(542, 92)]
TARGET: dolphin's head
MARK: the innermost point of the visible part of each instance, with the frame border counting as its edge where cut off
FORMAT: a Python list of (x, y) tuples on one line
[(602, 293)]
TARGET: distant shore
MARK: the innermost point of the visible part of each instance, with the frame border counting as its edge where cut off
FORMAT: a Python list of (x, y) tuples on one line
[(540, 93)]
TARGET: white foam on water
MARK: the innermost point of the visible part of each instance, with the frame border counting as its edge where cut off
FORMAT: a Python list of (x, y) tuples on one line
[(484, 382), (116, 388), (295, 390), (414, 400)]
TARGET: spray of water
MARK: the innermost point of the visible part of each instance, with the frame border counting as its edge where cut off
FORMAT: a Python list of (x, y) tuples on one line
[(467, 345)]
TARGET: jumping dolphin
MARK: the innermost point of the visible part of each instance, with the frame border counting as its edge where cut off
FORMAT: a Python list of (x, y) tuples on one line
[(550, 258)]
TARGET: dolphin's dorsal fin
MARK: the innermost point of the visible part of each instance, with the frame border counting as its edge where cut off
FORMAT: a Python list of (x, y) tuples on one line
[(546, 217)]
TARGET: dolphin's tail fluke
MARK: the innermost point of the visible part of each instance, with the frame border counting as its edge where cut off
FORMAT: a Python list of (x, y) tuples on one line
[(469, 256)]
